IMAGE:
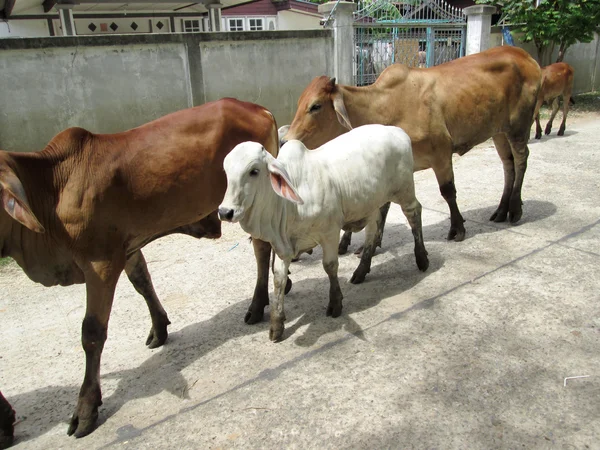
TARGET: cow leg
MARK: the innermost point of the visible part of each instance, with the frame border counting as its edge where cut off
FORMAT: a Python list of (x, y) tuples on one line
[(137, 272), (344, 242), (445, 178), (538, 127), (566, 100), (520, 153), (280, 277), (7, 420), (504, 150), (372, 231), (381, 225), (101, 279), (555, 108), (260, 299), (330, 264), (412, 211)]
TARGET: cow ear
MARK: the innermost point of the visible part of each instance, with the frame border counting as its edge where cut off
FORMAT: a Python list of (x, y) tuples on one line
[(14, 202), (280, 181), (340, 109)]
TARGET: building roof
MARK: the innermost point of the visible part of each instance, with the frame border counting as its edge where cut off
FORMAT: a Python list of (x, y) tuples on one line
[(9, 8), (270, 7)]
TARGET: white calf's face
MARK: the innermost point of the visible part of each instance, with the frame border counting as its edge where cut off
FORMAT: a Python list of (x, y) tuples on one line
[(246, 168)]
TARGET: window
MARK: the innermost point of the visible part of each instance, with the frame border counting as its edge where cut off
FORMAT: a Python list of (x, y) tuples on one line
[(256, 24), (236, 24), (191, 26)]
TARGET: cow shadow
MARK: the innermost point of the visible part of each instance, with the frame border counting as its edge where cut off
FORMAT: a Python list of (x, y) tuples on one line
[(477, 223), (534, 142), (41, 410)]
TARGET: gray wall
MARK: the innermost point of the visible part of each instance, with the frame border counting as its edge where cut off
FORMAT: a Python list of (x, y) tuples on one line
[(112, 83), (583, 57)]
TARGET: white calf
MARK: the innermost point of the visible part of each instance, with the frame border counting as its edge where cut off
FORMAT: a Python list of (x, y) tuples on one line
[(305, 197)]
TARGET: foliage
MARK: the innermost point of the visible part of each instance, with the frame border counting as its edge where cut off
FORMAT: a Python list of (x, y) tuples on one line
[(552, 22)]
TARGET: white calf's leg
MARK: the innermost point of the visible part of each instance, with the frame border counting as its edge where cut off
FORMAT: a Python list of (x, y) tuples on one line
[(280, 269)]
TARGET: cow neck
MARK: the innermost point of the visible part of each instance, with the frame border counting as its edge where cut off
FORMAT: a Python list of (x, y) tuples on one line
[(359, 100), (267, 220)]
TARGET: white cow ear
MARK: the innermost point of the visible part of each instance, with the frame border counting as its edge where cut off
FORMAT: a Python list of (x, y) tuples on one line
[(280, 181), (14, 202), (340, 108)]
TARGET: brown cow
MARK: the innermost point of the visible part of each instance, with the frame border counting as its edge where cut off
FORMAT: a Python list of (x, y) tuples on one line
[(80, 211), (557, 80), (444, 109)]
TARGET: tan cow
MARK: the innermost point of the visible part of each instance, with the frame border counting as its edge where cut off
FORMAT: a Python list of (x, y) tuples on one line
[(557, 80), (80, 211), (444, 109)]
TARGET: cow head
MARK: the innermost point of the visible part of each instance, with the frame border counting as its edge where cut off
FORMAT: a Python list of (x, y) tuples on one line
[(250, 169), (321, 114), (14, 201)]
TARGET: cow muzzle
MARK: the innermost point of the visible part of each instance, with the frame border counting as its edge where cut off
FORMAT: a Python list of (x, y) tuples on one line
[(226, 214)]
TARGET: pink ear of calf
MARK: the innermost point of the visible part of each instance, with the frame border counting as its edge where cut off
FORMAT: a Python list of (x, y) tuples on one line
[(20, 213)]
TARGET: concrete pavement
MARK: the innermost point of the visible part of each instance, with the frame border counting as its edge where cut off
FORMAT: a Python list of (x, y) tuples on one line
[(471, 354)]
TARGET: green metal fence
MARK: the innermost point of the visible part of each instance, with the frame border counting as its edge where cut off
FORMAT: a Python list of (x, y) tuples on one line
[(418, 33)]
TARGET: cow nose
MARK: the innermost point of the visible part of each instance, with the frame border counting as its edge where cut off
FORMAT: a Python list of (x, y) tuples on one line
[(226, 214)]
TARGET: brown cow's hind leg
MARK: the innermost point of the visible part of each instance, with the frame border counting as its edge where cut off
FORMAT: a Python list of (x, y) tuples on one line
[(566, 100), (101, 280), (520, 153), (505, 152), (137, 272), (331, 264), (555, 108), (371, 235)]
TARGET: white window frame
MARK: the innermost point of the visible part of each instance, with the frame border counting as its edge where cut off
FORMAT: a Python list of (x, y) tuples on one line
[(191, 25), (259, 24), (237, 23)]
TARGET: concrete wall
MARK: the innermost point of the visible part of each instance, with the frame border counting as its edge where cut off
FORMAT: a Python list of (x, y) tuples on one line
[(112, 83), (585, 59)]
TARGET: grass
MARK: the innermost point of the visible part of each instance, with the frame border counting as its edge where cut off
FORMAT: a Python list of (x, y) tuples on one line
[(5, 262)]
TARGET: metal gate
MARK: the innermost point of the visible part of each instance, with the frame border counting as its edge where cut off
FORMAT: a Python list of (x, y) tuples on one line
[(418, 33)]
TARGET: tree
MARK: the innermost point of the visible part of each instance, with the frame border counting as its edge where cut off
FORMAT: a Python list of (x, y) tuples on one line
[(551, 22)]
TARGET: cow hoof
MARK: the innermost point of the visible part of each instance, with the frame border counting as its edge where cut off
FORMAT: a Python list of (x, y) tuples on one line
[(561, 132), (334, 310), (514, 217), (499, 216), (457, 234), (342, 249), (276, 332), (538, 136), (82, 427), (422, 262), (6, 440), (358, 276), (253, 317), (156, 338)]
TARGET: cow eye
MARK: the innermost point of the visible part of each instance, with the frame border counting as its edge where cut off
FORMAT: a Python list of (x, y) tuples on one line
[(253, 172), (315, 107)]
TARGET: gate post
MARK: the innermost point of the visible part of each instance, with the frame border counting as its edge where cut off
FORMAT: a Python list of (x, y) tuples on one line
[(343, 38), (479, 26)]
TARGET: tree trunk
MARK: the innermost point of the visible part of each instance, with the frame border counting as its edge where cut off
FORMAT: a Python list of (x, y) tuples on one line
[(561, 52)]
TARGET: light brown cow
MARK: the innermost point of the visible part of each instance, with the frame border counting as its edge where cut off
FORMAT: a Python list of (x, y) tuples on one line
[(80, 211), (557, 80), (444, 109)]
